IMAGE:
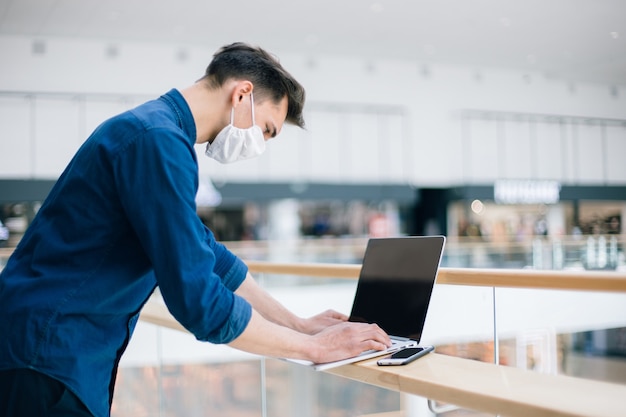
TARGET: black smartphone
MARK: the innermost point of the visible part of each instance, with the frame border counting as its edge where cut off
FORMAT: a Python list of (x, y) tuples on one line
[(406, 355)]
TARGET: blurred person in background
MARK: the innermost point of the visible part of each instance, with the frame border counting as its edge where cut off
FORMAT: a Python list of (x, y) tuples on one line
[(121, 221), (4, 235)]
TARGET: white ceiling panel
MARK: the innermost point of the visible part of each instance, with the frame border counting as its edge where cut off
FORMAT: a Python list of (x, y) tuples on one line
[(577, 40)]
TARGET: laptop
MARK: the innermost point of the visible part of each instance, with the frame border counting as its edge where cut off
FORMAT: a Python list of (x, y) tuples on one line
[(393, 291)]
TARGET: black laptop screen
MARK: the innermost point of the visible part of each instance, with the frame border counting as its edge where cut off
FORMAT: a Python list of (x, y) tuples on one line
[(396, 283)]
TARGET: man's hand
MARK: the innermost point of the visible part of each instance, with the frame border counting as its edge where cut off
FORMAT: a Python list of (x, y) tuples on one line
[(275, 331), (319, 322), (339, 341), (348, 339)]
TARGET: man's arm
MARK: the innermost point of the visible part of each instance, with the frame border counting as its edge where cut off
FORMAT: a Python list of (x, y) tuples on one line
[(275, 312), (336, 342), (275, 331)]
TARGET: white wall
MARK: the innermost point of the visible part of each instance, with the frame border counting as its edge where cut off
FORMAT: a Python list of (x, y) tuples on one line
[(368, 122)]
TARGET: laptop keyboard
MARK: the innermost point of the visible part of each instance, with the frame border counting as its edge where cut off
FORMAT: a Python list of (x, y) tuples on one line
[(393, 344)]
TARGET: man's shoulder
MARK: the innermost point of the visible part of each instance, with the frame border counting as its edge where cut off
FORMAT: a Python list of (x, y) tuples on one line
[(153, 114)]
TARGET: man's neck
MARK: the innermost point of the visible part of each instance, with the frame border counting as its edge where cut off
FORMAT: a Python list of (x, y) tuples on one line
[(208, 107)]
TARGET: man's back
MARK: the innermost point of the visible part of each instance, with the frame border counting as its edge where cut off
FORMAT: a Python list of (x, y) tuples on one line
[(84, 268)]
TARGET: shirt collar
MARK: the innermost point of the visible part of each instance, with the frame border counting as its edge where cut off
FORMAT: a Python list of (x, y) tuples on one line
[(182, 111)]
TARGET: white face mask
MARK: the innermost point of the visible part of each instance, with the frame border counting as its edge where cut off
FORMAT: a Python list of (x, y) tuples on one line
[(236, 144)]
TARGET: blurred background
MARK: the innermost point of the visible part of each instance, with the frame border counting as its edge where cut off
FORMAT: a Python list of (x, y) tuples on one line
[(494, 119), (498, 123)]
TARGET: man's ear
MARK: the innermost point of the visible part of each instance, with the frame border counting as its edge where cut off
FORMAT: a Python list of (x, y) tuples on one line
[(241, 90)]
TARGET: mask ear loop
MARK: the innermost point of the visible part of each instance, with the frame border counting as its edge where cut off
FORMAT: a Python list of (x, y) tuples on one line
[(252, 104), (232, 110)]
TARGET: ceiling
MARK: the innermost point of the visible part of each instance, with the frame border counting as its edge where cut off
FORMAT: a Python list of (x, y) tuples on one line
[(574, 40)]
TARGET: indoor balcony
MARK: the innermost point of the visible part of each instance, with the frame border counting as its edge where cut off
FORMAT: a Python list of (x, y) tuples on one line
[(518, 342)]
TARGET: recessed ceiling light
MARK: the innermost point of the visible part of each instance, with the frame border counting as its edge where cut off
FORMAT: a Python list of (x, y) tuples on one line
[(38, 47), (112, 51), (572, 88), (182, 55)]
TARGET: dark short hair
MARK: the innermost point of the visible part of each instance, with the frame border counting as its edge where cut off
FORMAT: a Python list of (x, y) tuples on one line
[(242, 61)]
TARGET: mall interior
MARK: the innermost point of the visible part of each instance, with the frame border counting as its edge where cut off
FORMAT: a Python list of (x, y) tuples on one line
[(500, 125)]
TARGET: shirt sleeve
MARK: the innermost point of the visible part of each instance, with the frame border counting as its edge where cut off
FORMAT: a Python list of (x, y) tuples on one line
[(156, 176), (228, 267)]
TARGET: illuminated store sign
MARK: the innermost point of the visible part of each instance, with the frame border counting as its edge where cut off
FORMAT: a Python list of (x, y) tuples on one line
[(526, 192)]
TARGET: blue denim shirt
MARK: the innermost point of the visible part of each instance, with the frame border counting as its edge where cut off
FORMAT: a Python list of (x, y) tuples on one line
[(120, 221)]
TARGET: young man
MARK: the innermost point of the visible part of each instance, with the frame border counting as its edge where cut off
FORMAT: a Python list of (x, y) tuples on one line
[(121, 220)]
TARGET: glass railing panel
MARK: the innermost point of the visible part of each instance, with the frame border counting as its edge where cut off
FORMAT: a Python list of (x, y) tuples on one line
[(137, 391), (166, 372), (595, 354), (295, 390), (574, 333), (459, 322)]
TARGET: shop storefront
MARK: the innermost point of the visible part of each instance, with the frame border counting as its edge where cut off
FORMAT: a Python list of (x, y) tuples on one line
[(558, 225), (521, 209)]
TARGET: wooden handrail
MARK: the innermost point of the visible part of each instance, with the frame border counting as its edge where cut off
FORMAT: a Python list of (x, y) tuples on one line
[(493, 389), (605, 281), (510, 278)]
